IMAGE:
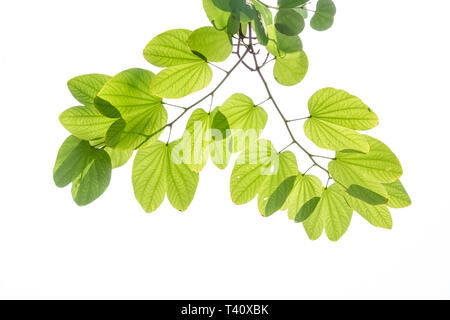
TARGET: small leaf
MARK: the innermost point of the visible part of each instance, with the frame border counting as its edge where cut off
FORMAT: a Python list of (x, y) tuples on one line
[(398, 197), (180, 81), (170, 49), (306, 189), (86, 123), (330, 136), (289, 22), (279, 44), (342, 108), (85, 88), (214, 45), (291, 68), (323, 18), (378, 216)]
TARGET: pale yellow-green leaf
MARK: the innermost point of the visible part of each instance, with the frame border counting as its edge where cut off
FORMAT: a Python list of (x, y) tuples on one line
[(170, 49), (378, 216), (86, 122), (398, 196), (119, 157), (181, 80), (306, 188), (342, 108), (330, 136), (291, 68), (214, 45)]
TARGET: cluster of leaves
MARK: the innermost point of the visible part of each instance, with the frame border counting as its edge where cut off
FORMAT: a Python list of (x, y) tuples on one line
[(121, 114)]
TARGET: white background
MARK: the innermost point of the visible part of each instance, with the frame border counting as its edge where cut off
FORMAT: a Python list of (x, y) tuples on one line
[(392, 54)]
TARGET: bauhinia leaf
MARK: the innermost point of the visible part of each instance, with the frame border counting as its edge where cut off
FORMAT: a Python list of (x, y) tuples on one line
[(323, 18), (119, 157), (157, 172), (88, 169), (86, 87), (251, 169), (278, 184), (181, 80), (379, 164), (280, 44), (245, 119), (86, 123), (291, 69), (378, 215), (291, 3), (289, 22), (332, 213), (358, 184), (144, 114), (398, 197), (330, 136), (170, 49), (304, 197), (214, 45), (219, 18), (342, 108)]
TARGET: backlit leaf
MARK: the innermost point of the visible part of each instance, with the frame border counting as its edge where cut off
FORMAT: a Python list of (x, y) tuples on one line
[(330, 136), (214, 45), (182, 80), (291, 68), (119, 157), (301, 203), (170, 49), (323, 18), (378, 216), (143, 112), (398, 197), (289, 22), (342, 108), (85, 88)]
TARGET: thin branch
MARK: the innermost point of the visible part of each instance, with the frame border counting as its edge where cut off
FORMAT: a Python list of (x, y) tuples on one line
[(221, 69), (299, 119), (173, 105), (258, 70)]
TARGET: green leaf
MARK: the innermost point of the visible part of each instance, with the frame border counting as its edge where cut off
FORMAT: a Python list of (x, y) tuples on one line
[(180, 81), (260, 30), (245, 119), (291, 68), (264, 12), (114, 134), (262, 21), (86, 123), (143, 112), (304, 197), (119, 157), (342, 108), (85, 88), (378, 216), (150, 175), (214, 45), (398, 197), (291, 3), (95, 177), (106, 108), (69, 162), (332, 213), (358, 184), (170, 49), (278, 184), (379, 164), (250, 171), (327, 135), (323, 19), (289, 22), (158, 170), (219, 18), (221, 146), (279, 44), (196, 140)]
